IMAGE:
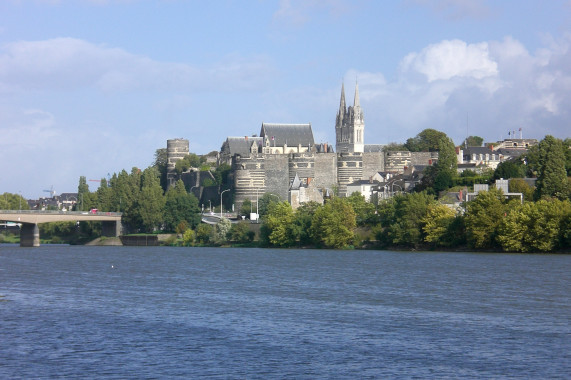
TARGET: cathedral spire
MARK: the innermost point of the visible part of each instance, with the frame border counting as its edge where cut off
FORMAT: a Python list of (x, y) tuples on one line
[(356, 102), (342, 106)]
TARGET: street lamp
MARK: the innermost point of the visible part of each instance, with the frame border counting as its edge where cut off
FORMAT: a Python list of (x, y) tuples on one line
[(393, 187), (221, 201)]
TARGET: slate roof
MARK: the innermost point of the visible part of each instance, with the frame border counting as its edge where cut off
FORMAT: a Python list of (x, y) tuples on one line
[(510, 152), (241, 145), (290, 134)]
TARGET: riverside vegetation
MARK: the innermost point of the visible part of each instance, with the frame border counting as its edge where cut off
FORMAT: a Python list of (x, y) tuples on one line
[(542, 223)]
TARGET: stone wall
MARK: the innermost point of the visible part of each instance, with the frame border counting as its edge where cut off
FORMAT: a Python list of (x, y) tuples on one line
[(349, 169), (277, 174), (325, 170), (373, 162)]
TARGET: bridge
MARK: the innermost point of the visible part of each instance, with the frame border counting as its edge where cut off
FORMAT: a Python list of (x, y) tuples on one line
[(30, 233)]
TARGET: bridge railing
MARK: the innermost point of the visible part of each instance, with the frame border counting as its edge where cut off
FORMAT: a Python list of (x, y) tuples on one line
[(60, 212)]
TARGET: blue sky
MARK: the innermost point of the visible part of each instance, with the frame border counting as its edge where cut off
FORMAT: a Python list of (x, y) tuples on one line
[(91, 87)]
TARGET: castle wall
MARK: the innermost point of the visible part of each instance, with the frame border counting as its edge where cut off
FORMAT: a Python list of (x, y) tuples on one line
[(277, 175), (424, 158), (373, 162), (349, 169), (303, 164), (325, 170), (249, 178)]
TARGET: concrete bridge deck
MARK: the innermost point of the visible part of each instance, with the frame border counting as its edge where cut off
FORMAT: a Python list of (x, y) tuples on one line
[(30, 235)]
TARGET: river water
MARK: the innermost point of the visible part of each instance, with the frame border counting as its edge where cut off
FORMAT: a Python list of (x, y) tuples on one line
[(156, 312)]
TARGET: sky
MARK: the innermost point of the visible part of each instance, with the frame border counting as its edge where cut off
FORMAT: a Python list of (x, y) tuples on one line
[(92, 87)]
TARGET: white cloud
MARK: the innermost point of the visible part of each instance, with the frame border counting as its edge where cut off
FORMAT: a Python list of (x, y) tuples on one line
[(69, 63), (498, 86), (449, 59)]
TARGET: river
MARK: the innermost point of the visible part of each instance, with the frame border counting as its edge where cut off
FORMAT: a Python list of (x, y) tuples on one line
[(158, 312)]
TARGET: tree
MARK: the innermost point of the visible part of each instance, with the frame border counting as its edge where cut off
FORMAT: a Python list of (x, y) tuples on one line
[(104, 196), (473, 141), (151, 201), (333, 224), (483, 217), (301, 228), (180, 206), (240, 232), (161, 161), (540, 226), (126, 189), (246, 208), (277, 226), (404, 220), (82, 194), (552, 176), (221, 229), (364, 211), (188, 237), (191, 160), (426, 141), (509, 169), (9, 201), (518, 185), (203, 233), (265, 201), (437, 224), (440, 176), (392, 147)]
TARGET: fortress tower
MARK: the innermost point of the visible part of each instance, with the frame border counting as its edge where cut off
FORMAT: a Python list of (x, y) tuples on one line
[(350, 125)]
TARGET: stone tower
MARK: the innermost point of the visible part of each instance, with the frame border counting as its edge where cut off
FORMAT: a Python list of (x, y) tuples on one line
[(350, 125), (176, 150)]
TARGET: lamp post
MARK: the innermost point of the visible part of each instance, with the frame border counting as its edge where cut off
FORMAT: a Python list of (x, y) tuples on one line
[(393, 188), (221, 201)]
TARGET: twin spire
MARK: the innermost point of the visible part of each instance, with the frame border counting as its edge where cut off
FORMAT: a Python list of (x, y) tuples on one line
[(356, 101)]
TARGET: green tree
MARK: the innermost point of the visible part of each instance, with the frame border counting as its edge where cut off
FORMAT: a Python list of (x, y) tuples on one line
[(518, 185), (191, 160), (532, 227), (104, 196), (180, 206), (265, 201), (277, 226), (333, 224), (364, 211), (437, 224), (151, 202), (473, 141), (426, 141), (246, 208), (403, 219), (188, 237), (160, 163), (483, 217), (552, 176), (240, 232), (11, 201), (82, 195), (221, 229), (126, 189), (509, 169), (301, 228), (203, 233), (394, 147)]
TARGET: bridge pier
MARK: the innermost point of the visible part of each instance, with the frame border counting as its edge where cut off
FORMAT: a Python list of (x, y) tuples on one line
[(29, 235), (111, 229)]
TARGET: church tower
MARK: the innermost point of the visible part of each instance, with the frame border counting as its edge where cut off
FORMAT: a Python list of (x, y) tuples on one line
[(350, 125)]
